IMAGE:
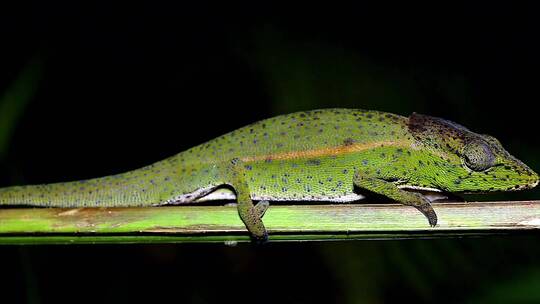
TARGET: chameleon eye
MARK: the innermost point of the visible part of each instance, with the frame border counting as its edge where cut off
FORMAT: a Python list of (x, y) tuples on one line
[(478, 156)]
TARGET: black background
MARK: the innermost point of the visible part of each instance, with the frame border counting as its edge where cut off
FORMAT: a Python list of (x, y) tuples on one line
[(115, 87)]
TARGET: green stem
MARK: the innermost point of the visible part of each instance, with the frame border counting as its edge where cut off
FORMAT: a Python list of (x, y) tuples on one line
[(285, 223)]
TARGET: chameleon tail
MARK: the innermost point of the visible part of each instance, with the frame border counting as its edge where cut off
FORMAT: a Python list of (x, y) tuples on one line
[(143, 187), (100, 192)]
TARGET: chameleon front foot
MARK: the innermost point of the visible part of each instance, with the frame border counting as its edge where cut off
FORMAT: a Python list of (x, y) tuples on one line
[(390, 190), (423, 205)]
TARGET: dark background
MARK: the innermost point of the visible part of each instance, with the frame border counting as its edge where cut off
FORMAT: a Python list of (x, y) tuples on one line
[(88, 90)]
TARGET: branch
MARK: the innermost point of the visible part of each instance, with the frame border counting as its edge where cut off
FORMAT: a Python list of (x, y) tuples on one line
[(284, 222)]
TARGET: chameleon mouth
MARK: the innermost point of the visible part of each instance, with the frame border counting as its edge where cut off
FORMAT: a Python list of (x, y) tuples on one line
[(534, 180), (529, 179), (532, 185), (529, 185)]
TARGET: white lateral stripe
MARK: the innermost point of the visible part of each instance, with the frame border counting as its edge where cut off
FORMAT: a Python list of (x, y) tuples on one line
[(419, 188)]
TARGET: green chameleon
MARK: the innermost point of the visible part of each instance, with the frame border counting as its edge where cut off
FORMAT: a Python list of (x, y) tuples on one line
[(331, 155)]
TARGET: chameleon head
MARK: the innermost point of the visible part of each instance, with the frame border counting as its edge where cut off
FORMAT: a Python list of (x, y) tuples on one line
[(472, 162), (485, 159)]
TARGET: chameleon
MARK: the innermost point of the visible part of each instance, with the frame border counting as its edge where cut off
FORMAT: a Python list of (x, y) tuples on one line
[(328, 155)]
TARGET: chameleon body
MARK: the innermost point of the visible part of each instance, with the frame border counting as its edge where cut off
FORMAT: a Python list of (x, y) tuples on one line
[(334, 155)]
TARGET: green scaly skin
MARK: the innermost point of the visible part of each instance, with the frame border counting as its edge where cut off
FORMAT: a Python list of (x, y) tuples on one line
[(330, 155)]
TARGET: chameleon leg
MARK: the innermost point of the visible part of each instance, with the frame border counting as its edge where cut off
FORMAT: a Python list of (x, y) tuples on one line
[(250, 214), (390, 190)]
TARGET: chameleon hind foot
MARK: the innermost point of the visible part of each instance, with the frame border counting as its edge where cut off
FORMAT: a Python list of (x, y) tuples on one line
[(261, 208), (249, 213), (390, 190), (251, 218)]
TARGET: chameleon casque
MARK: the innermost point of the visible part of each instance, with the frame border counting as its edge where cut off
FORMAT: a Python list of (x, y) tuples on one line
[(333, 155)]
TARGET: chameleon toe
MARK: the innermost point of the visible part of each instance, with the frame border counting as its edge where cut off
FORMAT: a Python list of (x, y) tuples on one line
[(261, 207)]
